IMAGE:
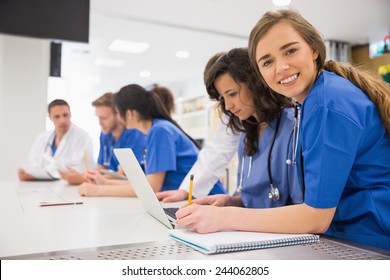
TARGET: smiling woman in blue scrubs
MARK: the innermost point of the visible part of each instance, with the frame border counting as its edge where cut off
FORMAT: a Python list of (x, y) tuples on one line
[(265, 145), (343, 149)]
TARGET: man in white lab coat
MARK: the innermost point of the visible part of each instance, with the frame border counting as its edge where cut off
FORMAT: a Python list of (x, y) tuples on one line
[(65, 146)]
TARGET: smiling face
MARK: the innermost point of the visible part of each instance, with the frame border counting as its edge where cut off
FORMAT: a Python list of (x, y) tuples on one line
[(286, 62), (237, 97)]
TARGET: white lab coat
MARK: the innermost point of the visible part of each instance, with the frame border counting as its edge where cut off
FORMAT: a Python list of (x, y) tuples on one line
[(70, 151), (212, 161)]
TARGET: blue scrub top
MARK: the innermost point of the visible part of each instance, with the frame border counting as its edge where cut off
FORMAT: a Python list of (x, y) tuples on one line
[(170, 150), (130, 138), (256, 186), (346, 159)]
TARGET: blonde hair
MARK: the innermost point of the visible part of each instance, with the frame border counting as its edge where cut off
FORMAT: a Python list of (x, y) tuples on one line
[(106, 99), (375, 88)]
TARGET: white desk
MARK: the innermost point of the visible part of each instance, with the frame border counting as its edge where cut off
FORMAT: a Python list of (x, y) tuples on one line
[(115, 225), (27, 228)]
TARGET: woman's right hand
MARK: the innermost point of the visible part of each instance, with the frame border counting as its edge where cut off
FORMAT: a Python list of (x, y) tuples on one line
[(202, 218)]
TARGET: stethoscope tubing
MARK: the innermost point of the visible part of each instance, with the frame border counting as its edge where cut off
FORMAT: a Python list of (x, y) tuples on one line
[(274, 193), (107, 152)]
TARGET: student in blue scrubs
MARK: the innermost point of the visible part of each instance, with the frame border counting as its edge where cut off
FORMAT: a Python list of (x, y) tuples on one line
[(343, 149), (114, 134), (129, 138), (266, 120), (170, 152)]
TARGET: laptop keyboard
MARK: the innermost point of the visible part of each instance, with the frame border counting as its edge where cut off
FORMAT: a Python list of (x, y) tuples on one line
[(171, 212)]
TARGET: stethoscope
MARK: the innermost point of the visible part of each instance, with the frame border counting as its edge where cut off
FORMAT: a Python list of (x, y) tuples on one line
[(239, 188), (297, 127), (107, 152), (274, 193), (51, 144), (143, 163)]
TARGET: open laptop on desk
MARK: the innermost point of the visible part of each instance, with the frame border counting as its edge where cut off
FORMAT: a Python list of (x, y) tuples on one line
[(143, 189)]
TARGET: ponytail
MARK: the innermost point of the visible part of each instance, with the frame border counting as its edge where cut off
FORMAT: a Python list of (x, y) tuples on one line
[(375, 88), (159, 110), (147, 103)]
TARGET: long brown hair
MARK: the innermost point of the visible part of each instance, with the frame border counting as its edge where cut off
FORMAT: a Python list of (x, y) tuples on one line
[(268, 104), (375, 88)]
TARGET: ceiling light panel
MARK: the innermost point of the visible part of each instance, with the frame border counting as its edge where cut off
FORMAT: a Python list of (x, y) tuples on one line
[(145, 74), (111, 63), (182, 54), (281, 3), (128, 46)]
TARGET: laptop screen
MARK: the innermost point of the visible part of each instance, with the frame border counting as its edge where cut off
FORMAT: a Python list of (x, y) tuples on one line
[(141, 185)]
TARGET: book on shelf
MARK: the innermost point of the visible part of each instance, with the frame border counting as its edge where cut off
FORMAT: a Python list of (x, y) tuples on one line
[(232, 241)]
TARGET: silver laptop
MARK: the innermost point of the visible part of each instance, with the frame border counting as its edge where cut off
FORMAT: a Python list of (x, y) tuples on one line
[(143, 189)]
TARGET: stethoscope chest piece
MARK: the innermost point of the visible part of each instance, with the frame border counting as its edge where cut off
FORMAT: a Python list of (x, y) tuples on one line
[(274, 193)]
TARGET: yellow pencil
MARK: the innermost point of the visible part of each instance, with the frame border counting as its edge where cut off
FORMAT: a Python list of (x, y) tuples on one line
[(86, 161), (191, 188)]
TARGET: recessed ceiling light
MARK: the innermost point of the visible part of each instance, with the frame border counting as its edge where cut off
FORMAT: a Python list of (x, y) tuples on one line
[(182, 54), (145, 74), (106, 62), (281, 3), (128, 46)]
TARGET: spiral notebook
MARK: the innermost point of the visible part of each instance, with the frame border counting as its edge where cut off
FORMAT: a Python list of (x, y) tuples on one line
[(232, 241)]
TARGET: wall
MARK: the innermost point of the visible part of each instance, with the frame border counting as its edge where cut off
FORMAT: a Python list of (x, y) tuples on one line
[(360, 56), (1, 70), (24, 72)]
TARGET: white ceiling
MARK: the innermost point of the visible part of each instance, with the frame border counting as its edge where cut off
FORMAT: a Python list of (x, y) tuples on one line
[(202, 27)]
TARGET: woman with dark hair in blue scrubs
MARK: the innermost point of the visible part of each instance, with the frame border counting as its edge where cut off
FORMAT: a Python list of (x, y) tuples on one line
[(266, 177)]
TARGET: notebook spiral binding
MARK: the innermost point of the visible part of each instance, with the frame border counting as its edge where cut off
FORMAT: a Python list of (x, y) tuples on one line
[(224, 248)]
